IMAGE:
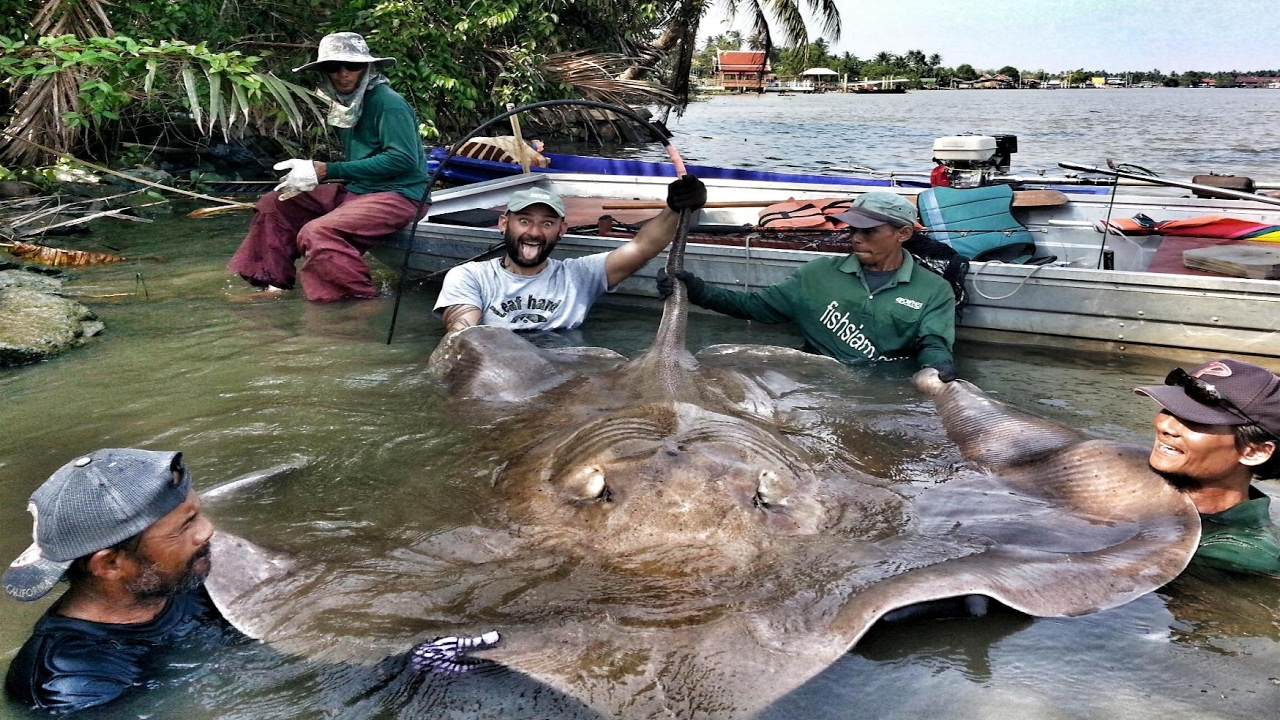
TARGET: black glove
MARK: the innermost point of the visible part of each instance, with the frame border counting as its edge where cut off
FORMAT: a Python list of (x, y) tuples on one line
[(694, 284), (946, 371), (687, 193)]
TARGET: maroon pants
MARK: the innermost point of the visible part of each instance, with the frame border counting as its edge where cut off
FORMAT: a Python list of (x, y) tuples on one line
[(330, 229)]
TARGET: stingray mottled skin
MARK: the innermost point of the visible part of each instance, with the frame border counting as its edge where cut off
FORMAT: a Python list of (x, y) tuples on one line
[(670, 551)]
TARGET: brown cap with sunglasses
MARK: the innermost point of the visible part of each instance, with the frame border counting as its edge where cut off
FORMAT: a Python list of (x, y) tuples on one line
[(344, 48), (1221, 392)]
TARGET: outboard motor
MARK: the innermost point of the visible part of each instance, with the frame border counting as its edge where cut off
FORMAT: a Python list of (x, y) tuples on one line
[(972, 160)]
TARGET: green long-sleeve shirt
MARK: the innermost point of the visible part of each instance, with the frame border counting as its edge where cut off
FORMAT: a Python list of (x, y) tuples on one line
[(914, 314), (1241, 538), (383, 152)]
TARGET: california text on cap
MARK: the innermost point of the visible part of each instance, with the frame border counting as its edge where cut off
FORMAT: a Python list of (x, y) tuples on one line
[(92, 503)]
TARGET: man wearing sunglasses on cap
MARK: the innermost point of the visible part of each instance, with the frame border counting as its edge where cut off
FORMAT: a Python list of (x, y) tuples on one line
[(1218, 431), (379, 184)]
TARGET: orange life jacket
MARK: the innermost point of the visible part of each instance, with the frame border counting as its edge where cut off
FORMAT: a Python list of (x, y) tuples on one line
[(808, 214)]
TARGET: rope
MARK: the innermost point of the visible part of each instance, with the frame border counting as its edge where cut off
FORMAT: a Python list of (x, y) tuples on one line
[(1011, 293)]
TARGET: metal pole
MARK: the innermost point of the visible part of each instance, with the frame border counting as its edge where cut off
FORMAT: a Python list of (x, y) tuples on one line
[(1173, 183)]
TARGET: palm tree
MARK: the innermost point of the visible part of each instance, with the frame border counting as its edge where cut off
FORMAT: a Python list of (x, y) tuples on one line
[(915, 59), (935, 60), (884, 58)]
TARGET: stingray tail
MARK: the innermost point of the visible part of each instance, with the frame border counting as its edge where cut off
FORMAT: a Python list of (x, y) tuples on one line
[(668, 361)]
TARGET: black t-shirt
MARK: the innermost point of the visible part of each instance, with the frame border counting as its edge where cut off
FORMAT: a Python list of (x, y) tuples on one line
[(69, 664)]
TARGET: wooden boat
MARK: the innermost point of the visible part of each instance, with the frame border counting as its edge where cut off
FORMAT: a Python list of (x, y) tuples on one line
[(1100, 292)]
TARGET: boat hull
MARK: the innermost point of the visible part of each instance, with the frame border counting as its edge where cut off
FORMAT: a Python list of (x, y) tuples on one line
[(1074, 305)]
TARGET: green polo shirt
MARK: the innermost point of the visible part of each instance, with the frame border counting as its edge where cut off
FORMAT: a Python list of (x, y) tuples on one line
[(1241, 538), (383, 152), (912, 315)]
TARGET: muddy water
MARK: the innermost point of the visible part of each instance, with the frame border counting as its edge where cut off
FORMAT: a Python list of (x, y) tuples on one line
[(239, 387)]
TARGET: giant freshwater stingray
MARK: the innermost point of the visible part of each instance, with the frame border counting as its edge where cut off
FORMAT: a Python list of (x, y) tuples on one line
[(666, 548)]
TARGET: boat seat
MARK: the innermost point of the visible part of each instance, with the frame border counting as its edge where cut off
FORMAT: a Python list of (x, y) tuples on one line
[(976, 222)]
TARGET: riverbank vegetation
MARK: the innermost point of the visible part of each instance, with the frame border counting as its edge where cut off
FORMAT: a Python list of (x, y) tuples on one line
[(153, 81)]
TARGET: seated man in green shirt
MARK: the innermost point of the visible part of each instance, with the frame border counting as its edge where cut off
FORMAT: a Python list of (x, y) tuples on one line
[(874, 304), (1219, 431), (381, 180)]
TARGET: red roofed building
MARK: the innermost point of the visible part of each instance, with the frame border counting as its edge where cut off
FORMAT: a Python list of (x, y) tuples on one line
[(1255, 82), (742, 70)]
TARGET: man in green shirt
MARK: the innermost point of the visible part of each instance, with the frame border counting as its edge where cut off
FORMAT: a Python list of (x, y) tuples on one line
[(874, 304), (330, 226), (1219, 431)]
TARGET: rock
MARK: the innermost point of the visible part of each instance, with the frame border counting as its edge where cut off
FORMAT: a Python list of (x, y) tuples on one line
[(35, 322), (14, 189), (159, 177)]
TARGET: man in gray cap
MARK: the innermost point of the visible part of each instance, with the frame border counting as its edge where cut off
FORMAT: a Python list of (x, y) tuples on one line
[(527, 290), (124, 527), (1218, 431), (379, 184), (875, 304)]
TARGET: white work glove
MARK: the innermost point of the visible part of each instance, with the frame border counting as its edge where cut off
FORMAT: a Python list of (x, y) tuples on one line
[(301, 178)]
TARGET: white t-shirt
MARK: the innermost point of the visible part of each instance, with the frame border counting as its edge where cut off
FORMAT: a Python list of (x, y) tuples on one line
[(557, 298)]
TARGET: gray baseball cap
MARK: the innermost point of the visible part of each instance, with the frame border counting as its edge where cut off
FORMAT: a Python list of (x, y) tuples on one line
[(344, 47), (92, 503), (878, 208), (535, 196)]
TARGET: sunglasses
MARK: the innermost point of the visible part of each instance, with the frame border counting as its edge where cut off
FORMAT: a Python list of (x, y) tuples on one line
[(1203, 392), (333, 67)]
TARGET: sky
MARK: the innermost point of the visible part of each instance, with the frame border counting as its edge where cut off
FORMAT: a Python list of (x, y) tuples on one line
[(1057, 35)]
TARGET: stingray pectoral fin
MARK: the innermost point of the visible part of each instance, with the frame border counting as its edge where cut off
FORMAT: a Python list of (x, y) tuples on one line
[(496, 364), (1131, 533), (727, 669), (990, 432), (240, 568), (253, 479)]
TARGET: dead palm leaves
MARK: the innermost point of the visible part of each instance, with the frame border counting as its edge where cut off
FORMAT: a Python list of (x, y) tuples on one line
[(59, 257)]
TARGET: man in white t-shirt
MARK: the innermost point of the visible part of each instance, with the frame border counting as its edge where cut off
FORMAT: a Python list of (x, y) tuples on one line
[(526, 290)]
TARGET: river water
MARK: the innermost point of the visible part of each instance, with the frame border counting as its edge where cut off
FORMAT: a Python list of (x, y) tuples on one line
[(239, 387)]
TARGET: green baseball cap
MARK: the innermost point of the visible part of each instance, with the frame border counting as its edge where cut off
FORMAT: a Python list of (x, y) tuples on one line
[(878, 208), (535, 196)]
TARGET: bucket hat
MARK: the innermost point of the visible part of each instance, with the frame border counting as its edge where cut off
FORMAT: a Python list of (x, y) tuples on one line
[(344, 47), (1222, 392), (878, 208), (92, 503)]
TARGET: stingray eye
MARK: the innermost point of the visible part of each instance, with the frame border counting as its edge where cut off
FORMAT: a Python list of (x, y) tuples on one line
[(768, 494), (588, 484)]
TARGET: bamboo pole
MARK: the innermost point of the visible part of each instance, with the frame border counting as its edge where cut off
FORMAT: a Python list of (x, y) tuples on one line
[(521, 155), (130, 178)]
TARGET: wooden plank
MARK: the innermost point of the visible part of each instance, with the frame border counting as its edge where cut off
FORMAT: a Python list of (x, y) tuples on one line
[(1259, 263)]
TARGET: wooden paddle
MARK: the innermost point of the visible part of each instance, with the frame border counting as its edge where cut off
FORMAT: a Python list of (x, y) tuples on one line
[(1021, 198)]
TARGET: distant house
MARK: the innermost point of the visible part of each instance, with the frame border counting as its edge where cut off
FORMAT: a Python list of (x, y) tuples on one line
[(986, 82), (1207, 82), (742, 70), (1253, 81)]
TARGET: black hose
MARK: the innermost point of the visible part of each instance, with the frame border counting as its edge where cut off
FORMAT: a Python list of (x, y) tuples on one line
[(420, 216)]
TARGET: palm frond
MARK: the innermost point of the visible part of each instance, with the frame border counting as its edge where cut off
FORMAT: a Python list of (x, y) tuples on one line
[(596, 76)]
